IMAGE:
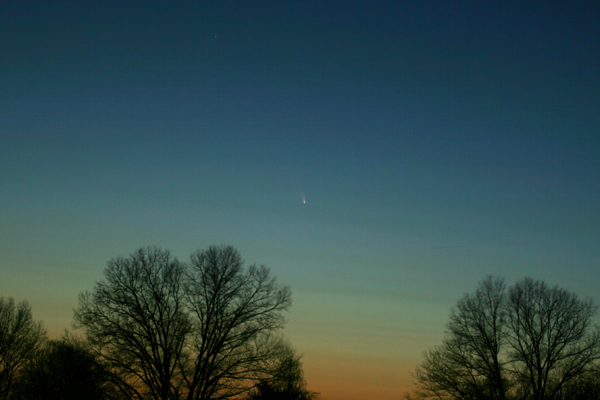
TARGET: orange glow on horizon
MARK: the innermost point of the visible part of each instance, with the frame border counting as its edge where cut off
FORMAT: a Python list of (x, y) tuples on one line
[(341, 377)]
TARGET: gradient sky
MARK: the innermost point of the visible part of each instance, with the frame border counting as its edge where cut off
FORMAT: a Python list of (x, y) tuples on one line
[(434, 142)]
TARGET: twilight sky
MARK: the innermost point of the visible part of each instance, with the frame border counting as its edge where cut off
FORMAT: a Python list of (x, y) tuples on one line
[(434, 142)]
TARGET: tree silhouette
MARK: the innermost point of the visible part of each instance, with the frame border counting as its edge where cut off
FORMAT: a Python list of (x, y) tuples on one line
[(64, 370), (468, 365), (552, 336), (287, 382), (137, 322), (235, 312), (20, 338), (171, 331), (533, 342)]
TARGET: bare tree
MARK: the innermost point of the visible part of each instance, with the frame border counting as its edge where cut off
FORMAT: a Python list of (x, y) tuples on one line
[(440, 376), (584, 387), (534, 343), (287, 381), (552, 336), (137, 322), (168, 331), (20, 338), (468, 364), (235, 313), (478, 326)]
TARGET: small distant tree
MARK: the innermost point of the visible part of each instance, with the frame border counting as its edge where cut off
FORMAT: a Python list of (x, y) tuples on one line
[(287, 382), (20, 338)]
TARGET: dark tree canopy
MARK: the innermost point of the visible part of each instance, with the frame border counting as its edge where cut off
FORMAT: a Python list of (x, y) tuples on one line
[(64, 370), (20, 338), (530, 342), (170, 330)]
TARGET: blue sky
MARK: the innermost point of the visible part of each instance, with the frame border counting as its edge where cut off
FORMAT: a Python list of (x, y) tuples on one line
[(433, 142)]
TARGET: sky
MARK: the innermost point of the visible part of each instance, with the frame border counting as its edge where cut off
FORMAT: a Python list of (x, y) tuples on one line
[(380, 157)]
